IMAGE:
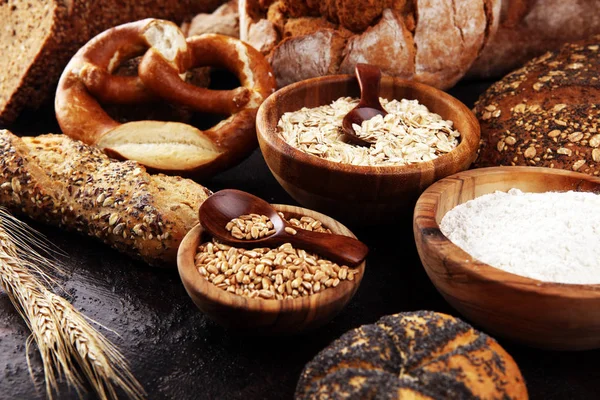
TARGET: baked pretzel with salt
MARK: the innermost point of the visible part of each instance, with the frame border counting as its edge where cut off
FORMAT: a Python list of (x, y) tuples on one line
[(164, 146)]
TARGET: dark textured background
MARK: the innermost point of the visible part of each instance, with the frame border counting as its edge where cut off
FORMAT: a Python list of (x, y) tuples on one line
[(176, 353)]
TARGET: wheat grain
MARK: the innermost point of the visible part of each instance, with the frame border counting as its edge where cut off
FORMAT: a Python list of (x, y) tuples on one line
[(99, 359), (24, 292), (67, 343)]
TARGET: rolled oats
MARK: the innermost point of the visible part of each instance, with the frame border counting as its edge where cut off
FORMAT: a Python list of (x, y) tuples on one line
[(408, 134)]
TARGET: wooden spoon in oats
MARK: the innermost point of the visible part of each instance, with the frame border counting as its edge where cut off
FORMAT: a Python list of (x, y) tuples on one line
[(369, 78), (243, 220)]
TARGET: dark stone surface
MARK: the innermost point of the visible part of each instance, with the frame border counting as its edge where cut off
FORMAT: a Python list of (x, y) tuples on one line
[(177, 353)]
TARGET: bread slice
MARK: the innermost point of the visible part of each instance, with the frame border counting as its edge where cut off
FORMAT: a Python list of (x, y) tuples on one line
[(63, 182), (39, 37)]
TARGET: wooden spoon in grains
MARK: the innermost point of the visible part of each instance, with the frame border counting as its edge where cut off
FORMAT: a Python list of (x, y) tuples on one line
[(218, 210)]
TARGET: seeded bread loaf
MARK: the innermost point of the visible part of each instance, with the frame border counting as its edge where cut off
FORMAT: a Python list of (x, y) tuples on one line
[(39, 37), (545, 114), (434, 42), (63, 182), (412, 355)]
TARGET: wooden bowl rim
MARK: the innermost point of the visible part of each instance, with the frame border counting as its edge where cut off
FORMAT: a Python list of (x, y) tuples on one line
[(464, 150), (190, 276), (483, 271)]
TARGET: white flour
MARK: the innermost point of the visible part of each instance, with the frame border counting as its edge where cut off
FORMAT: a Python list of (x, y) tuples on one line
[(552, 236)]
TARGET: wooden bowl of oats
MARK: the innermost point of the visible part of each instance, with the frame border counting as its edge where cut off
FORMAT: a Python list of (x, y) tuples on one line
[(516, 250), (268, 291), (427, 135)]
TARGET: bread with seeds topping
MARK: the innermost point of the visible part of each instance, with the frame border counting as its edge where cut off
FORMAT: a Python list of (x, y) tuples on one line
[(412, 355), (60, 181), (545, 114)]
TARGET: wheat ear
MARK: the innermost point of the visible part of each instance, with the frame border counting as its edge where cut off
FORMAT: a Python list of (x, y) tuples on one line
[(69, 346)]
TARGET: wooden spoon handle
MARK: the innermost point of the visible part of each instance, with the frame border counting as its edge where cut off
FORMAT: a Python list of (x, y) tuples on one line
[(369, 79), (341, 249)]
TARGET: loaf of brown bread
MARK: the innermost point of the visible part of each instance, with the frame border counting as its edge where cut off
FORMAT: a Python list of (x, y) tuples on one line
[(529, 28), (546, 113), (412, 355), (434, 42), (60, 181), (39, 37)]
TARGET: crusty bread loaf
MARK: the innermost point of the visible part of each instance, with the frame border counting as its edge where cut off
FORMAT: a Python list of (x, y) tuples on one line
[(546, 113), (434, 42), (529, 28), (39, 37), (63, 182), (224, 21), (412, 355)]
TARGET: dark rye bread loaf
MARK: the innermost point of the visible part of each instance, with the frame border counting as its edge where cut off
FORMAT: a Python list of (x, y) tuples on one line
[(59, 181), (39, 37), (546, 113), (416, 355)]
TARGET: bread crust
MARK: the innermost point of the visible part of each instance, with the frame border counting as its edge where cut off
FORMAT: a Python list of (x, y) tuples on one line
[(59, 181), (546, 113), (529, 28), (417, 355), (434, 42), (224, 21)]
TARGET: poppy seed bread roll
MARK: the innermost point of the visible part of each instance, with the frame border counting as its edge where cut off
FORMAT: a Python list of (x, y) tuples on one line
[(545, 114), (416, 355)]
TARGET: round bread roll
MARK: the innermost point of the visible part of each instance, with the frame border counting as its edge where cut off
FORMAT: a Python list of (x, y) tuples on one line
[(413, 355), (434, 42), (545, 114)]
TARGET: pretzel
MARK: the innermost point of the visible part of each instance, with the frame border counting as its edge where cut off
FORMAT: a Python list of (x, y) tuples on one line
[(169, 147)]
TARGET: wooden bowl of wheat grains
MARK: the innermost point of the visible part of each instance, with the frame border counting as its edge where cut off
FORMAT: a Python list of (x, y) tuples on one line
[(535, 313), (364, 195), (261, 316)]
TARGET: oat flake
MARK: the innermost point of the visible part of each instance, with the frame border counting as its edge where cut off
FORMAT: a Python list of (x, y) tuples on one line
[(409, 133), (552, 236)]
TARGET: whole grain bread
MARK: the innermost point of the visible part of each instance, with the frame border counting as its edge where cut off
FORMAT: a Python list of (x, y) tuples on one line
[(38, 38), (529, 28), (434, 42), (546, 113), (62, 182)]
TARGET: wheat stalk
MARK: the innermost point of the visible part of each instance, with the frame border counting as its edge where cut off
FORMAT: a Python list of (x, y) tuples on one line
[(69, 346), (31, 303), (99, 359)]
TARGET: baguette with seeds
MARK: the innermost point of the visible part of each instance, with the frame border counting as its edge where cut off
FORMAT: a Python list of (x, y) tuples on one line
[(60, 181)]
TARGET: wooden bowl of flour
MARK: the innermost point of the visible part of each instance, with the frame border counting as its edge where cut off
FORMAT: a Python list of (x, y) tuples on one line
[(529, 311)]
